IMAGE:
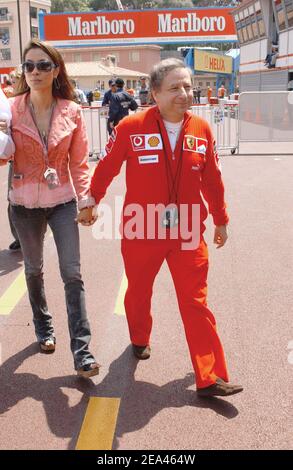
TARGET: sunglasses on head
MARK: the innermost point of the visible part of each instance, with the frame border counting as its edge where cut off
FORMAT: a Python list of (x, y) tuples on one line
[(42, 66)]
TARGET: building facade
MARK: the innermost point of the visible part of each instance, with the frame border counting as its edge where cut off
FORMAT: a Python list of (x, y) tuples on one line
[(138, 58), (18, 23), (263, 27)]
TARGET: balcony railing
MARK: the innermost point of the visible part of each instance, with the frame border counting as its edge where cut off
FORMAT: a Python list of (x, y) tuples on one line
[(7, 17)]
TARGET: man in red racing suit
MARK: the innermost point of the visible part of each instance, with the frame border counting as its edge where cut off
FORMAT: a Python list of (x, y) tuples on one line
[(171, 161)]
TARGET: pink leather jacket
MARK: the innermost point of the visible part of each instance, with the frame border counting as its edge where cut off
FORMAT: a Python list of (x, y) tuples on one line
[(67, 154)]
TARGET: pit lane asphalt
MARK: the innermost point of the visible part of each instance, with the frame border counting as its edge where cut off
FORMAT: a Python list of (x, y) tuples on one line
[(42, 402)]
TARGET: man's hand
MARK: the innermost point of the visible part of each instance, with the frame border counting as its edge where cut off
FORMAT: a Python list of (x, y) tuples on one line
[(87, 216), (4, 127), (220, 235)]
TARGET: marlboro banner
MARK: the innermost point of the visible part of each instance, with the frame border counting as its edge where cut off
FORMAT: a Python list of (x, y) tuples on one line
[(213, 63), (138, 27)]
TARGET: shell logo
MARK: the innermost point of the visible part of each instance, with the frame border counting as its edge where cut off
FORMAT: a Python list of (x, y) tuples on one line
[(153, 141)]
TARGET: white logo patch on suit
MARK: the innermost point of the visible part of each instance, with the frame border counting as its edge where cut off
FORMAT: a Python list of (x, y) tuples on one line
[(143, 159), (146, 142)]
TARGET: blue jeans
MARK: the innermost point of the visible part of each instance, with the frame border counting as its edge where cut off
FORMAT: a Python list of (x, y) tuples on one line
[(31, 226)]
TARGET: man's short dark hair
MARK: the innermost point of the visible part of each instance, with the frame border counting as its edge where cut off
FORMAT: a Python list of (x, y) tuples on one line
[(111, 82), (119, 82)]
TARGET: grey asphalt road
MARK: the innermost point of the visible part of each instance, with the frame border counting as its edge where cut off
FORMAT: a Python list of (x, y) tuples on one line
[(43, 404)]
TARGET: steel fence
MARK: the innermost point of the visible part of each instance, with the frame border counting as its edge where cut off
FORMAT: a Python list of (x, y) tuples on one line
[(222, 119), (96, 126)]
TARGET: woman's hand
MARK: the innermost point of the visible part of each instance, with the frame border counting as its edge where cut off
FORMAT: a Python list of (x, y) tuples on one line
[(87, 216)]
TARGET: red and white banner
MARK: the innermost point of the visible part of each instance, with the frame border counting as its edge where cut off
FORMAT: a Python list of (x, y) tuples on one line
[(4, 73), (138, 27)]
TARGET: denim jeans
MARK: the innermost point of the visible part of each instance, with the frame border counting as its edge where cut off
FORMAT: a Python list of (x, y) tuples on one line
[(31, 226), (12, 228)]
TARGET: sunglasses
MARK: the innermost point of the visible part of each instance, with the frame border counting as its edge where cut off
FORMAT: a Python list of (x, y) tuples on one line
[(41, 65)]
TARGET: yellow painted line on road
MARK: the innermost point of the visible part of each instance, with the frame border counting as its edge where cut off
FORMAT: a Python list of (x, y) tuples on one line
[(13, 294), (99, 424), (15, 291), (119, 306)]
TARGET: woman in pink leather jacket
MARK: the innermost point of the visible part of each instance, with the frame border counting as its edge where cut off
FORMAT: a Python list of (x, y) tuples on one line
[(50, 178)]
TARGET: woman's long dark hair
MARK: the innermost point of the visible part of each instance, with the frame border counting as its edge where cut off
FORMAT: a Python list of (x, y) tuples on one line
[(61, 88)]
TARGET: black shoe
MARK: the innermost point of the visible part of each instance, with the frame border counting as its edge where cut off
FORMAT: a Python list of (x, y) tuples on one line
[(219, 389), (15, 246), (141, 352)]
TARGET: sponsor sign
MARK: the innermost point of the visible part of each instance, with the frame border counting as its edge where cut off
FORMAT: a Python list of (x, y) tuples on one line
[(213, 63), (141, 26), (4, 73)]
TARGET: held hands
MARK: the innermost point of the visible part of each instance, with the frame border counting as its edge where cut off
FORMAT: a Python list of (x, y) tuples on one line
[(220, 235), (87, 216)]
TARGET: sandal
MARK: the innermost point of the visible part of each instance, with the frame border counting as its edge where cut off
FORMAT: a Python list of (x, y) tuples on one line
[(48, 346), (89, 370)]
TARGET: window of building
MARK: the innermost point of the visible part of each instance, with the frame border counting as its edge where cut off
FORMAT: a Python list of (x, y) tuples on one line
[(249, 23), (289, 11), (200, 83), (4, 36), (134, 56), (208, 83), (35, 32), (215, 83), (259, 18), (3, 12), (34, 12), (249, 29), (244, 31), (280, 14), (5, 54)]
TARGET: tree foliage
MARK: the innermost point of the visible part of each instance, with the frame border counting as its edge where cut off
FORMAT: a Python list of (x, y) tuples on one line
[(96, 5), (69, 5)]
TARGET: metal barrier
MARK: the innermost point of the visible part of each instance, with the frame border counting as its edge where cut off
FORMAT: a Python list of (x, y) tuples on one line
[(266, 122), (96, 126), (223, 120)]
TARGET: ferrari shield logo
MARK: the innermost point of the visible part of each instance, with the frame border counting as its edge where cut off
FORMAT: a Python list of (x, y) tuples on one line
[(190, 142)]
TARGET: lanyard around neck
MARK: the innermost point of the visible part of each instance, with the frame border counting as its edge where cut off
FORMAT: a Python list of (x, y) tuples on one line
[(172, 181)]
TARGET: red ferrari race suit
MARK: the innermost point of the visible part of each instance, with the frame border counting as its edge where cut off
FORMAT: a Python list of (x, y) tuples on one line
[(141, 140)]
